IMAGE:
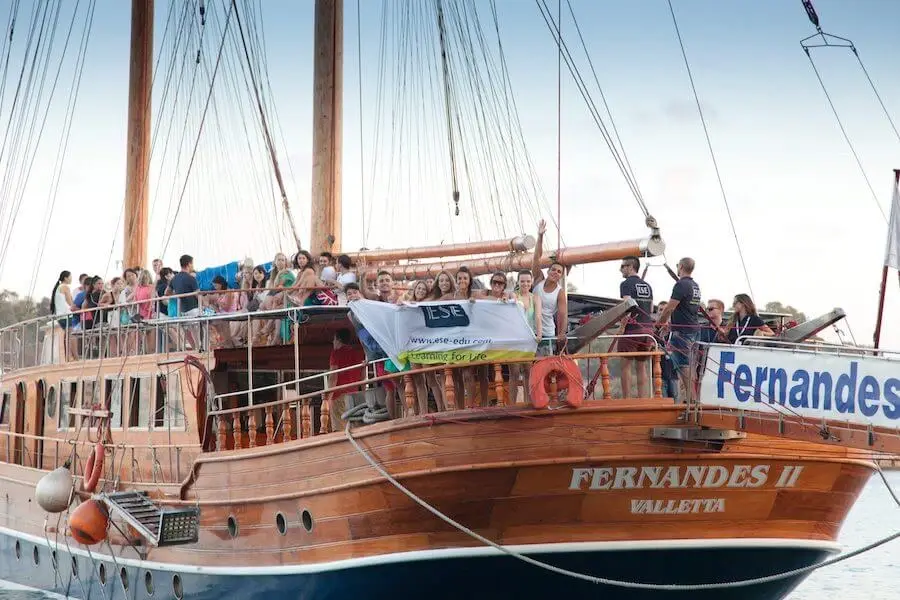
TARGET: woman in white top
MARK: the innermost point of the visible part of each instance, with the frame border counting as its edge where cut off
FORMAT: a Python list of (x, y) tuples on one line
[(61, 305)]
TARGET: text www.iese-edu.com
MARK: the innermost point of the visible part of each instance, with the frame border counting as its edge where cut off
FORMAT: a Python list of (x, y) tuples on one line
[(450, 340)]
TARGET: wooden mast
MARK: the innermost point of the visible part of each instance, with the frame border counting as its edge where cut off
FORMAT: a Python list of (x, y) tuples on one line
[(328, 69), (140, 78)]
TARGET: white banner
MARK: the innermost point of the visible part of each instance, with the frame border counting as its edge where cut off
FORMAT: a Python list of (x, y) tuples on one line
[(447, 332), (861, 389), (892, 252)]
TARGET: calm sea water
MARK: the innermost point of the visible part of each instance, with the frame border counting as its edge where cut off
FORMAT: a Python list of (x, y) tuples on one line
[(874, 575)]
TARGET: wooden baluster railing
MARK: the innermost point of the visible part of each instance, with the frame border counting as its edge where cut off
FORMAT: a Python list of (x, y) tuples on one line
[(325, 414), (604, 377), (270, 426), (251, 428), (657, 376), (236, 429), (305, 420), (499, 386), (554, 389), (286, 422), (449, 389), (409, 394), (221, 433)]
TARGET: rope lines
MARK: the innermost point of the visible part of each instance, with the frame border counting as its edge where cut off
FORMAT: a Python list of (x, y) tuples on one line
[(827, 40), (709, 145)]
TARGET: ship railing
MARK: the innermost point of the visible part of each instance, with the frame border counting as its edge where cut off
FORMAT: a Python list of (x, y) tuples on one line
[(297, 416), (42, 340), (143, 463), (776, 345)]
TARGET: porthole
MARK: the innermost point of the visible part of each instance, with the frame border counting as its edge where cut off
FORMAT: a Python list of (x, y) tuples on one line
[(36, 556), (75, 566), (102, 574), (281, 523), (51, 403), (148, 582), (123, 575), (307, 520), (176, 586), (18, 550), (232, 526)]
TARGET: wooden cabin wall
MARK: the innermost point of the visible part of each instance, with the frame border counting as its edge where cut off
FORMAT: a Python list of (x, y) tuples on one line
[(35, 404)]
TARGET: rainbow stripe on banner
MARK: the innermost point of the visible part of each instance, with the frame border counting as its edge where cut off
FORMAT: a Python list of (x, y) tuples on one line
[(447, 332)]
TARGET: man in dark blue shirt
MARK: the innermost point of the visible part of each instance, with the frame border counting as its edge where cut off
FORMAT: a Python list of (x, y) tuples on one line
[(682, 312), (185, 283), (638, 324)]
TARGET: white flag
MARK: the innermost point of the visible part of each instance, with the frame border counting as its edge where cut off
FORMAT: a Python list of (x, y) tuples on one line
[(892, 252)]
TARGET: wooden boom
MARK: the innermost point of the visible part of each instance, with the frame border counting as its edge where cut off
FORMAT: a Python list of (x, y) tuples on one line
[(653, 246), (520, 243)]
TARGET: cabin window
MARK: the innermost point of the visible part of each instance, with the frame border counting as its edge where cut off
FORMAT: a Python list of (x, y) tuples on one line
[(139, 401), (4, 409), (168, 410), (51, 402), (68, 391), (90, 394), (113, 395)]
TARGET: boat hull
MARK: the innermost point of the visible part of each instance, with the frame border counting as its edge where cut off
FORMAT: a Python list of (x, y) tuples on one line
[(472, 573)]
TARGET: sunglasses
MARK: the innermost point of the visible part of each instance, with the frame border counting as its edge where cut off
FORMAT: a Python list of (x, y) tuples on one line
[(497, 282)]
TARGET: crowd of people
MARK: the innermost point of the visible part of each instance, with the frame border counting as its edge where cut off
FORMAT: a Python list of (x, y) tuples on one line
[(140, 295)]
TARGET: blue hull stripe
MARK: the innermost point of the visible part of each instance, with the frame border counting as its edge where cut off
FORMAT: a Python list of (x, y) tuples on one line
[(472, 575)]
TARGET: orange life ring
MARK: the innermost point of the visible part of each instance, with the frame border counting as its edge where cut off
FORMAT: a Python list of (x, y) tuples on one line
[(93, 469), (568, 379)]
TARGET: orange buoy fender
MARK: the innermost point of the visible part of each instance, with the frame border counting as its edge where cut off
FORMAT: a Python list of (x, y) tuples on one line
[(88, 522), (568, 379), (93, 469)]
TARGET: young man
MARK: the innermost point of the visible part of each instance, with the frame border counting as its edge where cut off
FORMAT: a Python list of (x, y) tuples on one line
[(714, 332), (78, 300), (384, 289), (638, 324), (681, 312), (344, 354), (184, 282), (554, 301), (374, 352)]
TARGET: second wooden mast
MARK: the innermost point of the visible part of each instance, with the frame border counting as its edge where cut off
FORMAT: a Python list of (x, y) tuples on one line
[(137, 185), (328, 91)]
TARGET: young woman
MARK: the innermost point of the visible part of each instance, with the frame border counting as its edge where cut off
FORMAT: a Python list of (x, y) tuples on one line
[(419, 293), (61, 305), (222, 302), (110, 299), (143, 292), (464, 292), (744, 320), (444, 287), (531, 306)]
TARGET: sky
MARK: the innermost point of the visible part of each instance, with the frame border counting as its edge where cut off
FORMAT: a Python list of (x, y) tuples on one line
[(811, 233)]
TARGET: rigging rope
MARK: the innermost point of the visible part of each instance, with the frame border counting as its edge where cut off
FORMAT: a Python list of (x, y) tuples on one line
[(843, 43), (603, 580), (265, 127), (448, 102), (712, 154)]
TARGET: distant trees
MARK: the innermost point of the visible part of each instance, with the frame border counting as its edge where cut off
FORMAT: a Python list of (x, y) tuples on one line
[(778, 307), (14, 308)]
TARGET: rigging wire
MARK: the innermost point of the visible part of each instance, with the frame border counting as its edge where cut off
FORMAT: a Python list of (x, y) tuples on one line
[(200, 129), (448, 104), (712, 154), (559, 125), (265, 127), (591, 105), (843, 43)]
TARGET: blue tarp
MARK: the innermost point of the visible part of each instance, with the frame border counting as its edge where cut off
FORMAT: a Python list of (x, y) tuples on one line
[(229, 272)]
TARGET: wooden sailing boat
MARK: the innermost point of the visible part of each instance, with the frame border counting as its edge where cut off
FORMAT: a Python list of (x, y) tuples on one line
[(219, 478)]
